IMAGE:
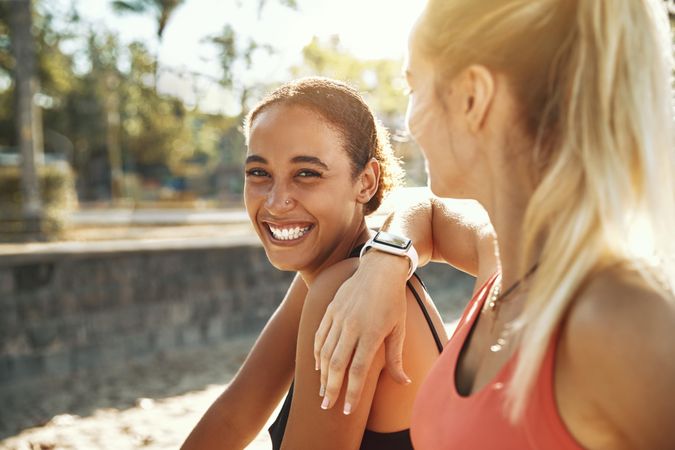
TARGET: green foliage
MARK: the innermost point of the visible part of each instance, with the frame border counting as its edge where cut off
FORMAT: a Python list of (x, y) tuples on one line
[(57, 190), (232, 51), (225, 44), (292, 4), (156, 132), (153, 127), (380, 80), (382, 85), (6, 60), (102, 100), (160, 9)]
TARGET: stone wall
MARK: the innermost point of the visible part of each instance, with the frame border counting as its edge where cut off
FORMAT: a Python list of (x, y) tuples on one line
[(67, 312)]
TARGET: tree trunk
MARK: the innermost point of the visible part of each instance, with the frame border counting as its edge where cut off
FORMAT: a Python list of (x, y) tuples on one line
[(28, 115), (112, 137)]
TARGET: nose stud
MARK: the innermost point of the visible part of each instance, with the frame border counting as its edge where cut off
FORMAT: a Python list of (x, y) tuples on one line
[(288, 202)]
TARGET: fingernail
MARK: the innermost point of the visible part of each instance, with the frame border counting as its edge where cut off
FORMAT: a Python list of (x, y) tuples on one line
[(322, 391), (408, 381), (325, 403), (348, 409), (316, 366)]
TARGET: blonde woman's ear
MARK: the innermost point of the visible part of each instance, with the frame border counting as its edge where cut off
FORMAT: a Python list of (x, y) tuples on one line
[(369, 181), (479, 92)]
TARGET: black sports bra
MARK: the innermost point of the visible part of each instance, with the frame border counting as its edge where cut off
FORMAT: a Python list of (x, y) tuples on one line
[(371, 440)]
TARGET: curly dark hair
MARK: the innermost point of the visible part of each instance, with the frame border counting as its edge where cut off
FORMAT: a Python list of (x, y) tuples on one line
[(343, 108)]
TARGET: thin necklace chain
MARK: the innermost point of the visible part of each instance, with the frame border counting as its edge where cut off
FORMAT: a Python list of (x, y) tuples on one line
[(495, 300), (496, 296)]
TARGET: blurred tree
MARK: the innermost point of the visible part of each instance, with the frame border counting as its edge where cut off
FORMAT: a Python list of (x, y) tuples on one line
[(382, 85), (54, 70), (7, 125), (162, 10), (106, 78), (231, 52), (380, 80), (293, 4), (155, 128), (28, 117)]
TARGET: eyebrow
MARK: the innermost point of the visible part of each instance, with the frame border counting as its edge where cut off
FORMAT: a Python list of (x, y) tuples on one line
[(255, 158), (310, 160), (296, 159)]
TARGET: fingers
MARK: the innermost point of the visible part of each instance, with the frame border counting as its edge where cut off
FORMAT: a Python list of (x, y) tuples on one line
[(326, 354), (394, 355), (321, 335), (358, 371), (335, 366)]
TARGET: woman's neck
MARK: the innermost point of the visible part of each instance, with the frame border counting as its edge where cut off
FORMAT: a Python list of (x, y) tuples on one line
[(359, 235), (507, 205)]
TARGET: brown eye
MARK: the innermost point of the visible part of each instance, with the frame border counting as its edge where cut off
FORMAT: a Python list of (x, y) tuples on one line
[(257, 173), (306, 173)]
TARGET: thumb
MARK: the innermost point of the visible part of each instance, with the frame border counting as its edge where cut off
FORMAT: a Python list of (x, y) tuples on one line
[(393, 346)]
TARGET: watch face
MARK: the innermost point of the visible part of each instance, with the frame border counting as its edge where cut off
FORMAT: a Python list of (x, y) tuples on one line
[(392, 240)]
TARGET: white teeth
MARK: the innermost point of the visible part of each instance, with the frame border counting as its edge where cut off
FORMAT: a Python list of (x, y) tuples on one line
[(288, 234)]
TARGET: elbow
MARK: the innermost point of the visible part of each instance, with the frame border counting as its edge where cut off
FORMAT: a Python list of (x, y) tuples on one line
[(218, 431)]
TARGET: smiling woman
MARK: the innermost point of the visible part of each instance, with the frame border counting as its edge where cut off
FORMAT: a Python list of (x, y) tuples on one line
[(318, 162), (286, 191)]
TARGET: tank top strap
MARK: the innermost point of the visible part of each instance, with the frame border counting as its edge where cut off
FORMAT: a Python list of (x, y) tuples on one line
[(356, 251)]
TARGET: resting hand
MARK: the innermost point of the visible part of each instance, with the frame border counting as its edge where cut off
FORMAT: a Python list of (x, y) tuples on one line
[(367, 310)]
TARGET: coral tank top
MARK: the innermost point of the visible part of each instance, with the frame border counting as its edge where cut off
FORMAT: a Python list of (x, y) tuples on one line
[(443, 419)]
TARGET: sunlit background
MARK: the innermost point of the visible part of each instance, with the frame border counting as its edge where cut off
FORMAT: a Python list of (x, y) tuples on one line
[(131, 284), (142, 100)]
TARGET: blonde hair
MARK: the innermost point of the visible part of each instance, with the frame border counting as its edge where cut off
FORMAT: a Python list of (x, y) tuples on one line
[(593, 81)]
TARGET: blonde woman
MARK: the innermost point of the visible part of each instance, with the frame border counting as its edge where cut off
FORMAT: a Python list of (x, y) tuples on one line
[(556, 115)]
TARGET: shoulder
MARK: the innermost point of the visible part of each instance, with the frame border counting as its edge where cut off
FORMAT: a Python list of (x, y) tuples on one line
[(330, 279), (622, 305), (323, 288), (618, 340)]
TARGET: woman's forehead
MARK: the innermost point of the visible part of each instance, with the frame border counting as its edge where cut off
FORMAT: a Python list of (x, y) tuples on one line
[(294, 131)]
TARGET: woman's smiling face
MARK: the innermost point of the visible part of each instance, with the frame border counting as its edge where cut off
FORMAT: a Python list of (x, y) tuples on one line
[(300, 192)]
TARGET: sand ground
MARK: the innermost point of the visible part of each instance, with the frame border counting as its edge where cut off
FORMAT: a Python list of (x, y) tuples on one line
[(149, 405), (153, 405)]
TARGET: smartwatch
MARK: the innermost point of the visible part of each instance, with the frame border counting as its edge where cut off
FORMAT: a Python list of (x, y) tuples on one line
[(396, 245)]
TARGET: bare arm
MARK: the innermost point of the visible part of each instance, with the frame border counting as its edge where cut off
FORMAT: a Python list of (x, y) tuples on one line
[(308, 426), (615, 372), (453, 231), (235, 418), (444, 230)]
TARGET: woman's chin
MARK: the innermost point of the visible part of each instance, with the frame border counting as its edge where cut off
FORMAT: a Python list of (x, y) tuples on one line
[(283, 264), (438, 189), (284, 267)]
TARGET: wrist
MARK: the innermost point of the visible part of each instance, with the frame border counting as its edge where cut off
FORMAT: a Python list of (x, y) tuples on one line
[(389, 244), (392, 265)]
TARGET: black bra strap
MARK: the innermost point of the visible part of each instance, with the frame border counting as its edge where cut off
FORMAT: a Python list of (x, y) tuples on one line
[(424, 286), (355, 253), (437, 339)]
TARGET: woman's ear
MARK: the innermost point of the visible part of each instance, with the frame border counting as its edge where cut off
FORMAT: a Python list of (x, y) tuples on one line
[(478, 90), (369, 181)]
